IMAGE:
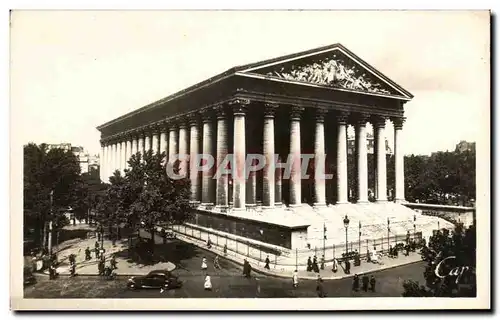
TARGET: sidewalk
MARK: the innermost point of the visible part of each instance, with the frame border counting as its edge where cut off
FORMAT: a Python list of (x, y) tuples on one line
[(89, 267), (327, 274)]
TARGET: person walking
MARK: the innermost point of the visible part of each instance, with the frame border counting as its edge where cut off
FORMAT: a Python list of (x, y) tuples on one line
[(347, 266), (267, 263), (315, 265), (355, 283), (366, 280), (112, 263), (216, 262), (96, 246), (204, 264), (309, 264), (295, 279), (87, 254), (372, 283), (208, 283), (320, 290)]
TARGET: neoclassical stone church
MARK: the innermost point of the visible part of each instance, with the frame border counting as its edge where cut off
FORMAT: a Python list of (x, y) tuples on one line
[(296, 104)]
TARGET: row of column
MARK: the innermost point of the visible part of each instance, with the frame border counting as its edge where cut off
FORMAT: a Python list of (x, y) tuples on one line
[(186, 137)]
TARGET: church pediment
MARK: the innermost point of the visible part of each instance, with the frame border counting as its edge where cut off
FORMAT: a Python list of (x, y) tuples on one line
[(335, 68)]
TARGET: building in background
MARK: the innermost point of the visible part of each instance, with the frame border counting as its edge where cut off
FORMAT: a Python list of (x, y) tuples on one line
[(86, 160), (370, 144), (464, 146)]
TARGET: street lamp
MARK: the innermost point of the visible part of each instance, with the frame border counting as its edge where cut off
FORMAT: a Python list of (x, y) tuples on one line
[(346, 225), (414, 226), (359, 238), (388, 230), (324, 245)]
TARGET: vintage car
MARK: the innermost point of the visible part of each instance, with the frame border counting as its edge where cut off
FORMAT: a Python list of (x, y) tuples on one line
[(155, 279)]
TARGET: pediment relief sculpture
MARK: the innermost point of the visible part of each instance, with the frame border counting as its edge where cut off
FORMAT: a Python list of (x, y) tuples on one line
[(333, 71)]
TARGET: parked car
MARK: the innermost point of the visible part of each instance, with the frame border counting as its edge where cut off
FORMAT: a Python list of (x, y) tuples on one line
[(155, 279)]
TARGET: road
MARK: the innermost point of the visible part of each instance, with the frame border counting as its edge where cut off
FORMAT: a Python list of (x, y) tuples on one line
[(227, 282)]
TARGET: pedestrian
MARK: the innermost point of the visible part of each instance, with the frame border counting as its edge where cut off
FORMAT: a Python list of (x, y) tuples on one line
[(100, 267), (391, 252), (374, 255), (208, 283), (72, 269), (112, 263), (315, 265), (87, 254), (335, 266), (319, 288), (204, 264), (323, 262), (355, 283), (225, 249), (267, 263), (209, 243), (295, 279), (216, 262), (347, 266), (96, 246), (247, 269), (309, 264), (372, 283), (365, 280)]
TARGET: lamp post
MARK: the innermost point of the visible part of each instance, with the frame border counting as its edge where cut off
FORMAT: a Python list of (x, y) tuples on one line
[(324, 247), (346, 225), (414, 226), (388, 230), (359, 238)]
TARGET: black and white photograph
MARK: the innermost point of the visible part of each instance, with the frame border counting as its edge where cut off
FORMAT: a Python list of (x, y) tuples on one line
[(171, 160)]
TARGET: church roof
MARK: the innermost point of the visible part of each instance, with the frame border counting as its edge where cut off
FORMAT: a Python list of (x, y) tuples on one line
[(333, 67)]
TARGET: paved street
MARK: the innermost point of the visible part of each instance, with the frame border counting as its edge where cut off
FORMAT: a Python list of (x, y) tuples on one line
[(227, 282)]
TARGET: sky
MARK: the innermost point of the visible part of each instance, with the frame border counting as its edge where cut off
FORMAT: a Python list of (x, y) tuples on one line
[(74, 70)]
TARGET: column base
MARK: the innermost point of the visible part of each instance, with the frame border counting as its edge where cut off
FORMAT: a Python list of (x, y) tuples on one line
[(208, 204), (319, 205), (400, 201), (362, 202), (342, 202), (238, 209), (381, 200), (295, 205), (267, 207)]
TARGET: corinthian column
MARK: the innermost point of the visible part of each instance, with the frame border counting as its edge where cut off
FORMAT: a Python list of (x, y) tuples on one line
[(128, 143), (114, 154), (123, 155), (194, 164), (362, 161), (222, 178), (140, 143), (320, 157), (155, 139), (268, 183), (239, 150), (183, 148), (163, 139), (399, 160), (147, 141), (107, 161), (207, 196), (379, 126), (134, 143), (295, 154), (342, 158), (172, 142)]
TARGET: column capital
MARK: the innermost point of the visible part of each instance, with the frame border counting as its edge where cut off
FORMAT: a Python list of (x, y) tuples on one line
[(172, 123), (296, 112), (182, 122), (239, 106), (193, 118), (342, 117), (207, 115), (270, 109), (378, 121), (398, 122), (361, 118), (320, 114), (220, 111), (162, 126)]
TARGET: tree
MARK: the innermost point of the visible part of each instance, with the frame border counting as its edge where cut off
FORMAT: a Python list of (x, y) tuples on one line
[(88, 189), (157, 198), (451, 264), (45, 171)]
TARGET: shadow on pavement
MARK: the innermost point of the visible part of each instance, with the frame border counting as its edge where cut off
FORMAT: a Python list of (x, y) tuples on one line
[(173, 251)]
